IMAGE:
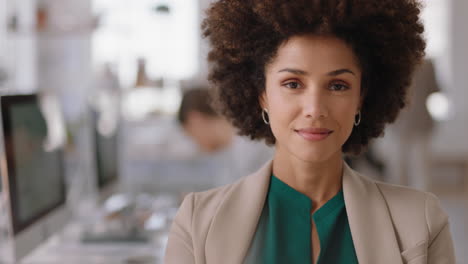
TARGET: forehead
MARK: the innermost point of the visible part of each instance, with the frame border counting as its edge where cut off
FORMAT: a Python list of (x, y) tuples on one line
[(316, 53)]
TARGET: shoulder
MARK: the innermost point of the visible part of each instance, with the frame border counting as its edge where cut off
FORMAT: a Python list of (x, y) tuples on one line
[(409, 208), (402, 196), (209, 200), (408, 198), (200, 207)]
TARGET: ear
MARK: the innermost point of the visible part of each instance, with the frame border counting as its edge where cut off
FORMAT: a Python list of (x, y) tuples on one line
[(263, 100)]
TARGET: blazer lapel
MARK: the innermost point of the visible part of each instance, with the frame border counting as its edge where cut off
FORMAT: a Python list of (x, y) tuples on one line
[(369, 220), (236, 220)]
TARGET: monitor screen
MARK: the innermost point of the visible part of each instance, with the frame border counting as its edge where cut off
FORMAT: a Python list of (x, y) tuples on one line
[(35, 176), (106, 150)]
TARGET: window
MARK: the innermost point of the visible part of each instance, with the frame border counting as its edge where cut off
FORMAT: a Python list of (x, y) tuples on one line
[(165, 33)]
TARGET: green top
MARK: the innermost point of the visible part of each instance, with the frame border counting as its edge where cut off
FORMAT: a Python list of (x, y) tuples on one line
[(284, 231)]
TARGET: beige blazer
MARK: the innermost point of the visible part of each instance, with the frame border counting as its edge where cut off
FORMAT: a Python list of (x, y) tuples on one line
[(389, 224)]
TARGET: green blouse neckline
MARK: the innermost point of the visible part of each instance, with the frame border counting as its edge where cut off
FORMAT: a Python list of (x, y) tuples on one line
[(302, 202)]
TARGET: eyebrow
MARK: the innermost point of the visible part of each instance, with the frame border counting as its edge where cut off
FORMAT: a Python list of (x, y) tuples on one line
[(332, 73), (340, 71), (295, 71)]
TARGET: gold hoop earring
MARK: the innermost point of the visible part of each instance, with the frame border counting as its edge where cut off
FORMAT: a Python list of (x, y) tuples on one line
[(264, 114), (356, 123)]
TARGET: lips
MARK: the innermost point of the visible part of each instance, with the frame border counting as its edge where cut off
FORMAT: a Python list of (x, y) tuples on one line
[(314, 134)]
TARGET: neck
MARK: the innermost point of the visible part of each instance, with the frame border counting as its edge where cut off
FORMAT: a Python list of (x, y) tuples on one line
[(320, 181)]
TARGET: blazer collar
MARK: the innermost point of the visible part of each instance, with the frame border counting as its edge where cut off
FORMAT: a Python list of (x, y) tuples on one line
[(235, 222), (369, 220)]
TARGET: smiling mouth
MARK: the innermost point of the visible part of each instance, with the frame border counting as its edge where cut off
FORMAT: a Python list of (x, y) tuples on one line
[(314, 134)]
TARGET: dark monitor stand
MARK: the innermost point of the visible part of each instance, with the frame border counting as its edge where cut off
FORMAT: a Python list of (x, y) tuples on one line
[(106, 157), (107, 167)]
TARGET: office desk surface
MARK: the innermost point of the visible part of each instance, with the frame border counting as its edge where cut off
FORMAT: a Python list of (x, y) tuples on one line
[(66, 247)]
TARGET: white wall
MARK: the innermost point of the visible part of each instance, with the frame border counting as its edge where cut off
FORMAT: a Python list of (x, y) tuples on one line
[(450, 141), (459, 54), (203, 47), (3, 27)]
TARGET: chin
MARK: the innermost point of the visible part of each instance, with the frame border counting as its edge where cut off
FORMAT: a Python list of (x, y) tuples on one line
[(313, 156)]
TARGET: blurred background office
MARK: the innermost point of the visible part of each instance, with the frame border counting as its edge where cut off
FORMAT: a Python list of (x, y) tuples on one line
[(108, 78)]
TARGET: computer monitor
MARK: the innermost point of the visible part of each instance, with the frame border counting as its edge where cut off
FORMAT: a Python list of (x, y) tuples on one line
[(106, 158), (34, 178)]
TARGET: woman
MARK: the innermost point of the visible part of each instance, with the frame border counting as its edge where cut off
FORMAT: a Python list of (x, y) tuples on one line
[(317, 79)]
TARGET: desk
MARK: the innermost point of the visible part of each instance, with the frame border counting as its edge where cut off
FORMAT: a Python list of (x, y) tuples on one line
[(66, 247)]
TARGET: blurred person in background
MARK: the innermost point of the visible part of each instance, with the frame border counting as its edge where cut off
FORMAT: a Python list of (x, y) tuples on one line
[(318, 79), (210, 131), (410, 136), (215, 136)]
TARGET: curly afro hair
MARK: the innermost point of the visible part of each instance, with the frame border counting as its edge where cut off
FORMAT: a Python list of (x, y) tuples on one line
[(385, 35)]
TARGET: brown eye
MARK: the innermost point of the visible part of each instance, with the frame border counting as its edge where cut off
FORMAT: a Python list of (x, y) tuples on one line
[(338, 87), (292, 85)]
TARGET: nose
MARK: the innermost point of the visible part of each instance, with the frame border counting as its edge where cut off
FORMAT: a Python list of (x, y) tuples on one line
[(314, 104)]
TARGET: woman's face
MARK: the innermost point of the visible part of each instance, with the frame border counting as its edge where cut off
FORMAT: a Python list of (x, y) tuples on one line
[(312, 95)]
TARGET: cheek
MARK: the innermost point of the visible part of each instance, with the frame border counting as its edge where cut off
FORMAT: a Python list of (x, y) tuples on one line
[(194, 131), (277, 122), (281, 114), (345, 118)]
